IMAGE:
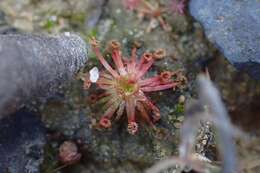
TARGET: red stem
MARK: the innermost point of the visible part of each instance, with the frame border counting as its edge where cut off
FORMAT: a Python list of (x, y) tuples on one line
[(158, 88), (105, 64), (118, 61)]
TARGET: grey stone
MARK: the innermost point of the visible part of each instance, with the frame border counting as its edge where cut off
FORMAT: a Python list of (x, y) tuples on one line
[(22, 138), (233, 25), (95, 11), (35, 66)]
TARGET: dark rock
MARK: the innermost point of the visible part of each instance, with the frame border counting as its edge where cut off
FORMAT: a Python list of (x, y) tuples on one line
[(234, 27), (22, 137), (35, 66), (95, 12)]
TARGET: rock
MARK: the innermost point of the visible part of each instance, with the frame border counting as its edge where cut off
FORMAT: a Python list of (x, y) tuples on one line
[(22, 138), (34, 65), (95, 11), (234, 27)]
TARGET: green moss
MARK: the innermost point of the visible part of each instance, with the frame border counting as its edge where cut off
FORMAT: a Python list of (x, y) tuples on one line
[(93, 59), (49, 24), (77, 19), (92, 33), (179, 109), (50, 162)]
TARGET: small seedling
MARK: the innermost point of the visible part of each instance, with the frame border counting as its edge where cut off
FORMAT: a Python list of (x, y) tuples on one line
[(125, 86)]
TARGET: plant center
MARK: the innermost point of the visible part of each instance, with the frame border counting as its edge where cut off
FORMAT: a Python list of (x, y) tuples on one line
[(126, 86)]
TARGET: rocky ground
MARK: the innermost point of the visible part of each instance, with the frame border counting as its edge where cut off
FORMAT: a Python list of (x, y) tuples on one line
[(70, 115)]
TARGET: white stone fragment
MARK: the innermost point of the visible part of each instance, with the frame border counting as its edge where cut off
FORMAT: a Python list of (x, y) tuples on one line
[(67, 34), (94, 74)]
